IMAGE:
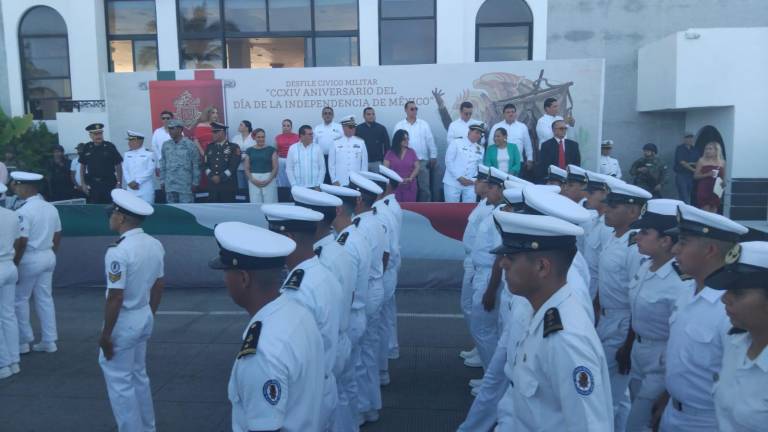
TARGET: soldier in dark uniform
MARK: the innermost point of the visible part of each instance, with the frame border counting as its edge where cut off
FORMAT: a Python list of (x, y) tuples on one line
[(100, 166), (221, 160)]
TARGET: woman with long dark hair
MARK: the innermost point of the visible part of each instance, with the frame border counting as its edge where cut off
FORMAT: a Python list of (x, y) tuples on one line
[(403, 160)]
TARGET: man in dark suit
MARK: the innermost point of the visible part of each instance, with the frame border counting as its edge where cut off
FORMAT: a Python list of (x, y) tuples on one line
[(558, 151)]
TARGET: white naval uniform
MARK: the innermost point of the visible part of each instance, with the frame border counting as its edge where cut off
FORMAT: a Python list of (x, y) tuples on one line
[(139, 166), (390, 306), (313, 285), (609, 166), (461, 160), (484, 325), (38, 222), (347, 155), (517, 134), (9, 327), (326, 134), (652, 297), (340, 263), (355, 244), (618, 263), (741, 401), (280, 385), (132, 265), (590, 245), (389, 281), (697, 330), (369, 396), (458, 129), (481, 210), (559, 381)]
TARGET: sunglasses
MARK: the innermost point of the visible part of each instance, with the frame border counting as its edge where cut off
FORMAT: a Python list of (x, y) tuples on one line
[(165, 118), (413, 109)]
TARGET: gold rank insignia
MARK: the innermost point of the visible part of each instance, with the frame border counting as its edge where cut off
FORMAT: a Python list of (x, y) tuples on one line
[(251, 340), (733, 255), (552, 322), (294, 279)]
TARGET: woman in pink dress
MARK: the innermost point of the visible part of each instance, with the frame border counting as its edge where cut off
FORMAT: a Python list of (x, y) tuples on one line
[(283, 142), (709, 168), (402, 159)]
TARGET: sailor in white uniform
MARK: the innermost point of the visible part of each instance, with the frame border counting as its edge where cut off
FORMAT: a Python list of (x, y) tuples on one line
[(348, 154), (619, 261), (698, 324), (134, 272), (311, 284), (556, 176), (39, 236), (461, 161), (558, 369), (139, 168), (9, 327), (390, 306), (608, 165), (278, 376), (740, 398)]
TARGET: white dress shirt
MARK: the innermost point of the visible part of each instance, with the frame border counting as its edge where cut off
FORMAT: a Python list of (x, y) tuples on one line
[(420, 138), (38, 222), (280, 386), (560, 381), (74, 166), (741, 400), (609, 166), (139, 166), (133, 265), (375, 233), (353, 240), (9, 232), (544, 127), (652, 298), (517, 134), (461, 160), (697, 330), (347, 155), (326, 134), (304, 165), (459, 129), (159, 137)]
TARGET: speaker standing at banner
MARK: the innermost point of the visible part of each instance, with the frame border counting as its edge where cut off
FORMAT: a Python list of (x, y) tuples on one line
[(221, 161), (100, 166)]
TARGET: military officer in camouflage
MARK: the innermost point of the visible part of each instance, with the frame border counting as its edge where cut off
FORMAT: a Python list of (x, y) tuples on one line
[(649, 172), (179, 166), (221, 160)]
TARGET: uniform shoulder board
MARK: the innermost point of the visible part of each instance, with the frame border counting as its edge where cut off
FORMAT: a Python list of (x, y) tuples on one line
[(116, 242), (375, 210), (632, 239), (294, 279), (356, 221), (683, 277), (386, 201), (343, 238), (318, 250), (251, 340), (736, 330), (552, 322)]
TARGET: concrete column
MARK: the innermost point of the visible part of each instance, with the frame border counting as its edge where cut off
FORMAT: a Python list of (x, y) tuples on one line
[(167, 35), (368, 23)]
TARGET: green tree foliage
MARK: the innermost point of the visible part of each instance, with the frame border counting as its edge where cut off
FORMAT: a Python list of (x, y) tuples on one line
[(32, 143)]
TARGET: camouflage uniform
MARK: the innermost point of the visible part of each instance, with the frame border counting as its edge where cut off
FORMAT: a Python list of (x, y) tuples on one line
[(655, 175), (180, 170)]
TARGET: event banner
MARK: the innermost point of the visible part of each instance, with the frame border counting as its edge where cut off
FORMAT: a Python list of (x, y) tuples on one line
[(267, 96)]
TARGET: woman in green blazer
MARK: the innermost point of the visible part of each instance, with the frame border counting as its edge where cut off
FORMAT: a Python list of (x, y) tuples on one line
[(501, 154)]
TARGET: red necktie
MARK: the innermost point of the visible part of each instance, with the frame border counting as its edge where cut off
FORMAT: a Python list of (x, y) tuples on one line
[(561, 154)]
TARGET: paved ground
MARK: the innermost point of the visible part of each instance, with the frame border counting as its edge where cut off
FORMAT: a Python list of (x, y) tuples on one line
[(190, 356)]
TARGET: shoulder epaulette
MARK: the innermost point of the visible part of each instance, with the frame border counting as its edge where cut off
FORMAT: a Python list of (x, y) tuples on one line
[(356, 221), (683, 277), (552, 322), (632, 239), (318, 250), (375, 210), (251, 340), (116, 242), (736, 330), (294, 279), (386, 201), (343, 238)]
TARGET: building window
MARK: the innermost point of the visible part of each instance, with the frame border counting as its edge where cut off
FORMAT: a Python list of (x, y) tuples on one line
[(44, 52), (407, 32), (267, 33), (131, 35), (503, 31)]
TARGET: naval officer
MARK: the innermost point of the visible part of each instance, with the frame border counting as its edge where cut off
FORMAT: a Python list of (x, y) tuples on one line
[(134, 271), (35, 257), (558, 369), (348, 154), (139, 168), (100, 166), (277, 379)]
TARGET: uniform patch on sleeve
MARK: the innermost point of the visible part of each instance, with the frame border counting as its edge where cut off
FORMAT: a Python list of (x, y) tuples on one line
[(272, 391), (583, 381), (115, 272)]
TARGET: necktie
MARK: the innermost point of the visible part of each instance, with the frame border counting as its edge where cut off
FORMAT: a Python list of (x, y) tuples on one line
[(561, 154)]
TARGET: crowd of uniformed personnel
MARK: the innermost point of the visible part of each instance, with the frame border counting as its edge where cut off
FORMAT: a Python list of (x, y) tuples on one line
[(592, 305)]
